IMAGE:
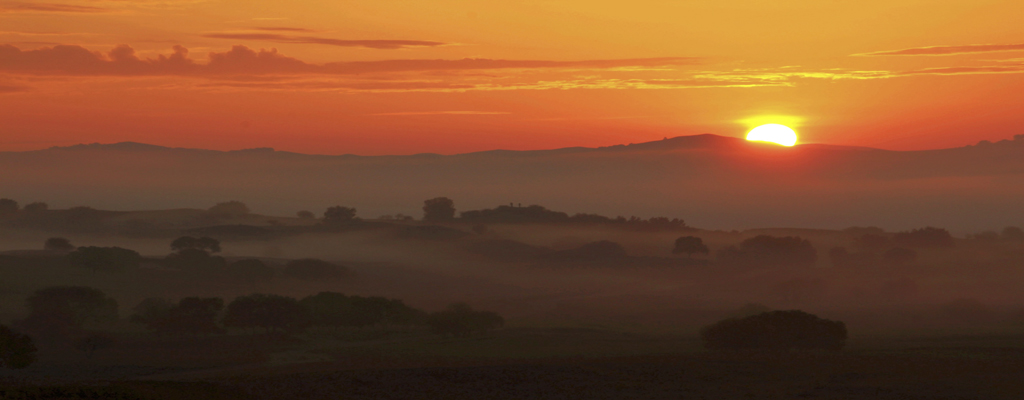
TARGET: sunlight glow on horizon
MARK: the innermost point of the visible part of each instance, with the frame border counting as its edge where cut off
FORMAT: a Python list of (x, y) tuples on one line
[(774, 133)]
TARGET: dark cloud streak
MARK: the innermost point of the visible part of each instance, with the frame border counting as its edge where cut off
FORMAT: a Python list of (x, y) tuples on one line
[(370, 44), (73, 60), (948, 50), (49, 7)]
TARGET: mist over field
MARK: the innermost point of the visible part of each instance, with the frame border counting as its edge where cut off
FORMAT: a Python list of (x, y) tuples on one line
[(712, 182), (251, 274)]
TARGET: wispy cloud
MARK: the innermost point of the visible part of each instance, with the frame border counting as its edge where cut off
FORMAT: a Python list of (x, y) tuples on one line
[(14, 7), (11, 88), (282, 29), (240, 60), (414, 113), (948, 50), (983, 70), (371, 44)]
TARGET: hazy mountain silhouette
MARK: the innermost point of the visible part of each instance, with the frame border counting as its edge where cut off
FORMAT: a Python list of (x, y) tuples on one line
[(711, 181)]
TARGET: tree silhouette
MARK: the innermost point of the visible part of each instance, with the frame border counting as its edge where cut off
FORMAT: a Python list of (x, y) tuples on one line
[(338, 215), (305, 214), (690, 245), (58, 244), (439, 209), (8, 207), (105, 258), (1013, 233), (267, 311), (153, 312), (776, 330), (16, 350), (196, 315), (61, 311)]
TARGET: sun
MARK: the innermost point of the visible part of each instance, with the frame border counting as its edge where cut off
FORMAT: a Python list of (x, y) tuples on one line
[(775, 133)]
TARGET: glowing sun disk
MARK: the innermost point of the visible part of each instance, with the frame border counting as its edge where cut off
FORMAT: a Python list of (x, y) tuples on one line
[(774, 133)]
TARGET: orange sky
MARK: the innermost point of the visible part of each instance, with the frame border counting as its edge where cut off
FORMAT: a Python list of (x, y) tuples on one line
[(403, 76)]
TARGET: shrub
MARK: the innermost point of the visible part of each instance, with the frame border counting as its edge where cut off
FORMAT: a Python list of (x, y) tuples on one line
[(776, 330), (16, 350)]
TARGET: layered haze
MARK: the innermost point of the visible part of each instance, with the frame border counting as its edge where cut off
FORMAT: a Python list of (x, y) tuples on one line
[(710, 181)]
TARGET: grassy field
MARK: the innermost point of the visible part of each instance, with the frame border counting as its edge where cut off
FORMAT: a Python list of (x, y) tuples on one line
[(531, 363)]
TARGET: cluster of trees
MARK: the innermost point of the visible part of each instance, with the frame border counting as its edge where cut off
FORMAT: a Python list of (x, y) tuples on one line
[(192, 315), (71, 313), (197, 255), (1010, 234), (66, 314), (775, 330), (875, 248), (539, 214), (10, 207)]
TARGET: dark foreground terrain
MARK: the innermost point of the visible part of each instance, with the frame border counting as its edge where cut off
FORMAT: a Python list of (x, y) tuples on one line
[(963, 367)]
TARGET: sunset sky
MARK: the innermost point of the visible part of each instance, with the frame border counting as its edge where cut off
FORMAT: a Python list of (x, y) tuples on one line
[(448, 76)]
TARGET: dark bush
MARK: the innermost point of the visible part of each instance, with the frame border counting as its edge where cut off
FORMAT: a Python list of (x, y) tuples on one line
[(58, 244), (8, 207), (1012, 233), (439, 209), (338, 216), (690, 245), (16, 350), (775, 330), (229, 209), (61, 311)]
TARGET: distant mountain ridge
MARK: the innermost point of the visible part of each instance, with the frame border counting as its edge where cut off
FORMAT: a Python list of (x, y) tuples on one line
[(703, 141)]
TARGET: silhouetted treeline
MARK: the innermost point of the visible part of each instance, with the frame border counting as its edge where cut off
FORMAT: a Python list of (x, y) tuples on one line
[(539, 214)]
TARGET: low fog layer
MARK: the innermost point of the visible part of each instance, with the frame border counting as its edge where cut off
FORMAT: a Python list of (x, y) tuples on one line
[(710, 181)]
